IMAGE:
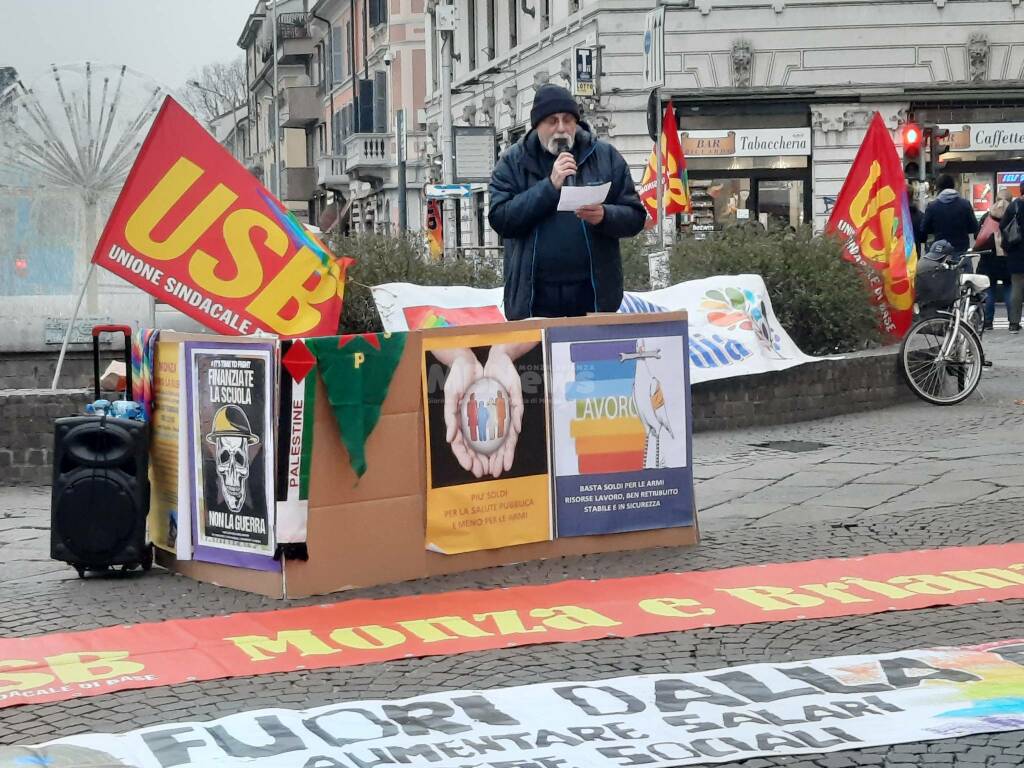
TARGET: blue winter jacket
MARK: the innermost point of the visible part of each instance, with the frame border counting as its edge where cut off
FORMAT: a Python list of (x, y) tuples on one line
[(523, 211), (950, 217)]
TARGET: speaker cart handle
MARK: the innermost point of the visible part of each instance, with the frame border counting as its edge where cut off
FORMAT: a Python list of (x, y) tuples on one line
[(101, 329)]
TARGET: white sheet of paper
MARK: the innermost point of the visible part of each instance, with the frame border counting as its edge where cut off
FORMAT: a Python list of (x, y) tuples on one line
[(575, 197)]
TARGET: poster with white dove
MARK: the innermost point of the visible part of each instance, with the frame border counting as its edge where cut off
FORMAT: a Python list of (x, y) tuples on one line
[(621, 427)]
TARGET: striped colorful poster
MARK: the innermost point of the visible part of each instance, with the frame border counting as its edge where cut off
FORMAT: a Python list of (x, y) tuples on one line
[(620, 430)]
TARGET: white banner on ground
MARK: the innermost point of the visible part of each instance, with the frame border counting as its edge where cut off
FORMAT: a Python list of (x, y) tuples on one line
[(733, 328), (824, 705)]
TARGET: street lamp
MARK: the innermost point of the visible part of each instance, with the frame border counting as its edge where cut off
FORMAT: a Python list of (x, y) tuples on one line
[(218, 94), (271, 5)]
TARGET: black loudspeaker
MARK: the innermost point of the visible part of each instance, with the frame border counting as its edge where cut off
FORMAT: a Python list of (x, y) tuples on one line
[(100, 493)]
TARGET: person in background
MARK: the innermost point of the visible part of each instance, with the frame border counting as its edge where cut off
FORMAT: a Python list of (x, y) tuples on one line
[(561, 263), (993, 258), (916, 219), (949, 217), (1014, 260)]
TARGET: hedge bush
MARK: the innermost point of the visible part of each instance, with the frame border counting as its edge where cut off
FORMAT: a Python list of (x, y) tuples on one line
[(820, 299), (392, 259)]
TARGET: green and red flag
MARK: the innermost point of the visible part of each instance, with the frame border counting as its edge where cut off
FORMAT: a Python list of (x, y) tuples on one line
[(356, 371)]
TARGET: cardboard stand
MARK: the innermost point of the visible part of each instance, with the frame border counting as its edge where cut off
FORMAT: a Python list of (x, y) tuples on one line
[(368, 531)]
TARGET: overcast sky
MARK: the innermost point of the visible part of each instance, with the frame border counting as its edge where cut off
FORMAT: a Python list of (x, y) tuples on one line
[(169, 40)]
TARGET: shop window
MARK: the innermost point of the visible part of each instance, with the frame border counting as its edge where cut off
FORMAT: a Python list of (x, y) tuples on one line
[(780, 203), (719, 203)]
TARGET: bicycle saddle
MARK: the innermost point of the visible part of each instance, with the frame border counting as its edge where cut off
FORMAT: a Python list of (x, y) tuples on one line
[(976, 282)]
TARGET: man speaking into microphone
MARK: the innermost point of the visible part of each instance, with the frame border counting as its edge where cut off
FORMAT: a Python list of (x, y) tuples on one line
[(561, 263)]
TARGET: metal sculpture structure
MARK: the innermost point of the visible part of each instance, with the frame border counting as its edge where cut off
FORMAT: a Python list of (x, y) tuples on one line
[(78, 129)]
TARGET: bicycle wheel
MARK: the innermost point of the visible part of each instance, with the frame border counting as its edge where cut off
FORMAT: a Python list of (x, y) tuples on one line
[(937, 378)]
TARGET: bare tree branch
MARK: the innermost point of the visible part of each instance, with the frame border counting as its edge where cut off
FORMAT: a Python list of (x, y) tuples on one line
[(218, 88)]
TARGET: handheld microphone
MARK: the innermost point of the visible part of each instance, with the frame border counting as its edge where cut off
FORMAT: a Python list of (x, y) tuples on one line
[(562, 145)]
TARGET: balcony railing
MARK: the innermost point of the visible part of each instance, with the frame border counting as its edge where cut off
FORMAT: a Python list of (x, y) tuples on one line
[(370, 150), (294, 40), (330, 170), (292, 26)]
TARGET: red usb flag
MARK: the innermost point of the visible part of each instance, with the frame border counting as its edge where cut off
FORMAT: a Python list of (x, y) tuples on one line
[(675, 183), (872, 218), (196, 230)]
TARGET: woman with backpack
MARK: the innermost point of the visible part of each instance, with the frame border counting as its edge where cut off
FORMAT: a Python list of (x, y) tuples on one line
[(993, 258), (1012, 230)]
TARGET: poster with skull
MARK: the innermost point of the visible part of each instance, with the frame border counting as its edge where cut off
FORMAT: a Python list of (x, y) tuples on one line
[(231, 411)]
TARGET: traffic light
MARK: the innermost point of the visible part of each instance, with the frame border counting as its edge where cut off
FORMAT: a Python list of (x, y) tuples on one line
[(912, 136), (938, 145)]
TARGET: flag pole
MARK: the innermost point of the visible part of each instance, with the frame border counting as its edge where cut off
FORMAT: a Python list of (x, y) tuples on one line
[(661, 186), (71, 326)]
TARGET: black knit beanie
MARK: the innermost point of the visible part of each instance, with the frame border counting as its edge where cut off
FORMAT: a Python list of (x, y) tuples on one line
[(550, 99)]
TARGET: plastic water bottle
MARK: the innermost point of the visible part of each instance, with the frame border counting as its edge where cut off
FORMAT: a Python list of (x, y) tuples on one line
[(98, 407)]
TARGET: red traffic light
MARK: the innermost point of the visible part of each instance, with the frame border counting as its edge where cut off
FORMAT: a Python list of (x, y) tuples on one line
[(911, 140)]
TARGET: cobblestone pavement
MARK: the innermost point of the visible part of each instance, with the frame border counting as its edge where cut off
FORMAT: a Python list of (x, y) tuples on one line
[(907, 477)]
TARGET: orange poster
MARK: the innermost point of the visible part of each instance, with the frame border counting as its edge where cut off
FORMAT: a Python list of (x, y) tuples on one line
[(485, 408)]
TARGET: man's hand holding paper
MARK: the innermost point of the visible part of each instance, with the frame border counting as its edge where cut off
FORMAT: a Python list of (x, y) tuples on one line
[(573, 198)]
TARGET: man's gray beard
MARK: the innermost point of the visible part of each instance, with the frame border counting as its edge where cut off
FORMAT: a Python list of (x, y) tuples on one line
[(552, 145)]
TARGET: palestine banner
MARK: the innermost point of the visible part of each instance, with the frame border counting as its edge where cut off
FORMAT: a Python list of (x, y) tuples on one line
[(295, 442), (696, 718), (231, 407), (620, 424)]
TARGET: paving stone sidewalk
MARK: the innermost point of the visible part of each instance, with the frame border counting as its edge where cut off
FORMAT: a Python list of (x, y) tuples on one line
[(912, 476)]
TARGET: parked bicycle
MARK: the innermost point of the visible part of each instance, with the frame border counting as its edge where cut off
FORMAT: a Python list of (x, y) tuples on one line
[(941, 357)]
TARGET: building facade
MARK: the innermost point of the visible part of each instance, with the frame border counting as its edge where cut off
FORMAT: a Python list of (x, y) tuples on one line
[(772, 97), (279, 110), (370, 141)]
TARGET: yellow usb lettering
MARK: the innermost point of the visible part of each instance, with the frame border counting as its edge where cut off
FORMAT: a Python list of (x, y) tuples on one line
[(286, 305), (158, 203), (21, 681), (246, 270), (86, 667)]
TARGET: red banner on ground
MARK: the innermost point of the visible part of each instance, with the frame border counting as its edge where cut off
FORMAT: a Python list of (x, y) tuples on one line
[(70, 665), (196, 230), (872, 216)]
